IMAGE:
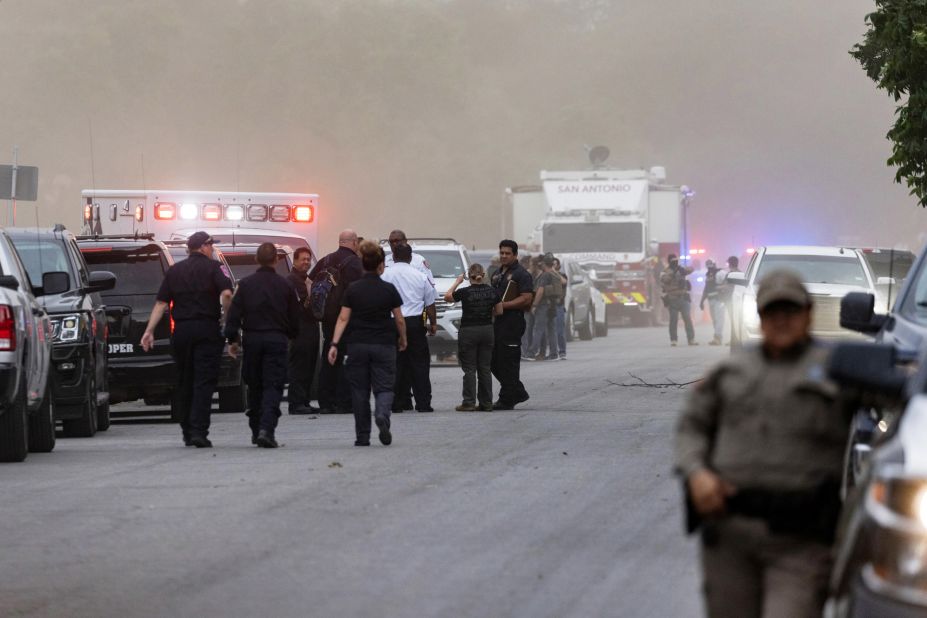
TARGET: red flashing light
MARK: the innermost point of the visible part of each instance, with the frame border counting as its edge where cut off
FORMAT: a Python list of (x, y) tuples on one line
[(212, 212), (165, 211), (7, 329), (95, 249), (303, 214)]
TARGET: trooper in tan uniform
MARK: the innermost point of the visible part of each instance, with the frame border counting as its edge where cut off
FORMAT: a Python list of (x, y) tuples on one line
[(760, 449)]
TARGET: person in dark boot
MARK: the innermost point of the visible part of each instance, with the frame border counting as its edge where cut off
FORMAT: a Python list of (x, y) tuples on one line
[(266, 307), (372, 326)]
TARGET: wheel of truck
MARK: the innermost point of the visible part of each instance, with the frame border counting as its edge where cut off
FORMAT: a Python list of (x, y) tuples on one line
[(601, 330), (587, 330), (233, 398), (42, 425), (570, 325), (14, 430), (86, 425)]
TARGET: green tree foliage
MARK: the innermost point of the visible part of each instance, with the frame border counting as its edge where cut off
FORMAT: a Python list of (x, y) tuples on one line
[(894, 55)]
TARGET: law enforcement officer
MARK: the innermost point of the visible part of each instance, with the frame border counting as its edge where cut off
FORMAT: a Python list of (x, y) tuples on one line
[(760, 448), (418, 297), (677, 299), (509, 327), (196, 290), (304, 349), (266, 308), (712, 294), (344, 267)]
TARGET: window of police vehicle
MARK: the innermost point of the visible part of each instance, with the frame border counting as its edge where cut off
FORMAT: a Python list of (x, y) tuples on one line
[(818, 268), (138, 270)]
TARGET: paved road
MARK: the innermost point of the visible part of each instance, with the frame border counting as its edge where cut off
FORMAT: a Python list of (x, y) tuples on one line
[(563, 507)]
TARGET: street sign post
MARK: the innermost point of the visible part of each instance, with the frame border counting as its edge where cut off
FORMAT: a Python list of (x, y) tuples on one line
[(18, 182)]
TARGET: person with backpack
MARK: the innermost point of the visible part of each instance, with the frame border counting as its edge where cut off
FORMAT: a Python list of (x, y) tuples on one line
[(330, 277), (369, 329), (549, 287)]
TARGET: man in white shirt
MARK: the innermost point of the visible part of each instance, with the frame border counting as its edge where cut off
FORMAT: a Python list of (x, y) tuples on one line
[(418, 298), (418, 262)]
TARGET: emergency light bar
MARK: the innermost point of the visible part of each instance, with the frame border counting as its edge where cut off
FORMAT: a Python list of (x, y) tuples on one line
[(212, 212), (279, 214), (234, 212), (257, 212), (302, 214), (189, 211)]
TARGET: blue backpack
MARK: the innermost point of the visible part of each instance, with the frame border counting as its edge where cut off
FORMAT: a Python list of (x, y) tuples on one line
[(325, 294)]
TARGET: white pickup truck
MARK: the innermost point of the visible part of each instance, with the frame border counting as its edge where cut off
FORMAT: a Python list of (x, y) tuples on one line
[(26, 416)]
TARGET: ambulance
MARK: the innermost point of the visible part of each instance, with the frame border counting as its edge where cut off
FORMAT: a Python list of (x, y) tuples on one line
[(287, 219)]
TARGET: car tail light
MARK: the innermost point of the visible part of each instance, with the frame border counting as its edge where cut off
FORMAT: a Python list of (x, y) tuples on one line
[(257, 212), (279, 214), (212, 212), (164, 211), (234, 212), (7, 329), (302, 214)]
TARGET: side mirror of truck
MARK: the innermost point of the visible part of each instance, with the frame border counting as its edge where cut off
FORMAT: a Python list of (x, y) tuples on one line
[(868, 366), (55, 282), (9, 282), (101, 281), (736, 279), (857, 312)]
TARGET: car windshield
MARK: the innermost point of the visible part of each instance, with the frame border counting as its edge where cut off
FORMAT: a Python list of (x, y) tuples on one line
[(831, 269), (443, 264), (611, 237), (138, 270), (889, 263), (243, 264), (43, 256)]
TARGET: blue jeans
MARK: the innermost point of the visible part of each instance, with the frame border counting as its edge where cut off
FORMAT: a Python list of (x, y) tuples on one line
[(545, 318), (560, 323)]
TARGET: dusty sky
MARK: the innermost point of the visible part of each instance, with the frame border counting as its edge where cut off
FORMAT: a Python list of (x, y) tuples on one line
[(417, 114)]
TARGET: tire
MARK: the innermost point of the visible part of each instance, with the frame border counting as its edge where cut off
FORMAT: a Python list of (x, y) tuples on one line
[(86, 425), (42, 426), (14, 430), (570, 325), (586, 331), (233, 399), (601, 330)]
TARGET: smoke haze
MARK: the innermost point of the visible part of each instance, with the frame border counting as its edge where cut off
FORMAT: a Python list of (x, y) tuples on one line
[(417, 114)]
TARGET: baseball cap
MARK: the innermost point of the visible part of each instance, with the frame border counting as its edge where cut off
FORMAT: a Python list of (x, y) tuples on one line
[(198, 239), (782, 286)]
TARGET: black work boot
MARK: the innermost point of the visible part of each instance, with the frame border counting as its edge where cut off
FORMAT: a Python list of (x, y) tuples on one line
[(265, 439), (200, 442)]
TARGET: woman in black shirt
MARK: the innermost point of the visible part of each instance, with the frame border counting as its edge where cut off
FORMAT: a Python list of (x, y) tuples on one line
[(475, 338), (372, 326)]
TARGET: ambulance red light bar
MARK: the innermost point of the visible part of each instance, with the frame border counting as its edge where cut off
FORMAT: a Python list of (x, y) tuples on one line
[(279, 213), (212, 212), (257, 212), (165, 211), (303, 214), (234, 212)]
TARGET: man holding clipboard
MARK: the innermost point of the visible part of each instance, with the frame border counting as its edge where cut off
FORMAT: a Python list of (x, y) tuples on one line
[(516, 287)]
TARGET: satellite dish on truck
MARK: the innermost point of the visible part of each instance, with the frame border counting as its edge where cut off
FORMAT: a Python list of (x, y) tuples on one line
[(598, 155)]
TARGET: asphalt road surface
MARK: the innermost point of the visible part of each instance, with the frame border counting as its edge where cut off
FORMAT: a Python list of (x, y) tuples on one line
[(565, 506)]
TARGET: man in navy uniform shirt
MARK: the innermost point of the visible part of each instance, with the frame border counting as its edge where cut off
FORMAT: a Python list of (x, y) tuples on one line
[(509, 327)]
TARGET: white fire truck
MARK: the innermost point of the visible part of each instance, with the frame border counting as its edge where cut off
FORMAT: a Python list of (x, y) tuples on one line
[(615, 223), (283, 218)]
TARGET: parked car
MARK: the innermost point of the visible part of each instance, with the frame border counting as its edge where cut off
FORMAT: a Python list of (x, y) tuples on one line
[(141, 261), (80, 391), (829, 273), (27, 420), (584, 304), (881, 558)]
